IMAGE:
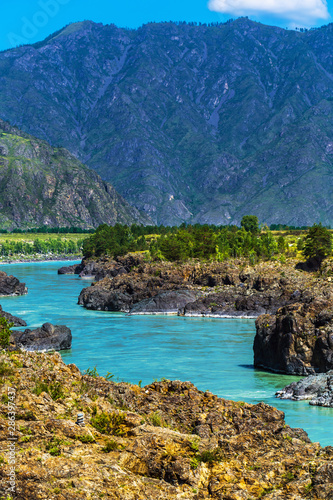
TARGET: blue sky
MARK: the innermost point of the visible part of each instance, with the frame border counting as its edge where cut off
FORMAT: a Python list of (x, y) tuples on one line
[(28, 21)]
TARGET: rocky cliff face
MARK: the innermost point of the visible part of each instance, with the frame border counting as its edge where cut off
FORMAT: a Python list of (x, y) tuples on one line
[(166, 441), (187, 122), (41, 185)]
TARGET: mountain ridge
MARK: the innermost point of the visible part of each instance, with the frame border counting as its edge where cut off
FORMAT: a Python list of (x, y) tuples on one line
[(41, 185), (190, 123)]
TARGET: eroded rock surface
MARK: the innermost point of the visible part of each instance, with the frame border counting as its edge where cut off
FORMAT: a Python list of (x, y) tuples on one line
[(221, 289), (12, 319), (318, 389), (9, 285), (165, 441), (46, 338)]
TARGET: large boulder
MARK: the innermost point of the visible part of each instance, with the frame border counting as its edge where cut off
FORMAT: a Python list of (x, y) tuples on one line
[(297, 340), (46, 338), (9, 285)]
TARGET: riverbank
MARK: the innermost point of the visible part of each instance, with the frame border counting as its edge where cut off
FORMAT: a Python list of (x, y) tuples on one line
[(167, 439), (40, 258)]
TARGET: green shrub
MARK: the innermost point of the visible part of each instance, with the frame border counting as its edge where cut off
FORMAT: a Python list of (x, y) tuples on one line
[(110, 446), (86, 438), (109, 423)]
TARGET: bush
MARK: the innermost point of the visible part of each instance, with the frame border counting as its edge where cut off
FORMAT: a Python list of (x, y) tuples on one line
[(109, 423), (5, 332)]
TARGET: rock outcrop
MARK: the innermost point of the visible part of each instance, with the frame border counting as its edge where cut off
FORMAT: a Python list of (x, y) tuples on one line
[(46, 338), (317, 388), (221, 289), (170, 302), (12, 319), (167, 440), (298, 339), (9, 285), (74, 269)]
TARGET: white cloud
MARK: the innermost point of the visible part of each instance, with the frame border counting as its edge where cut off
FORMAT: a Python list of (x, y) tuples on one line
[(294, 10)]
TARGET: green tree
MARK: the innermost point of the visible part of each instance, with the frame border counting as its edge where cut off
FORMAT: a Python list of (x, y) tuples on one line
[(250, 223), (317, 243)]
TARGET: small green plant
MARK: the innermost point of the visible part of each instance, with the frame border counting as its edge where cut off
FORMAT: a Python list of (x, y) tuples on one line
[(5, 332), (109, 423), (5, 398), (92, 372), (156, 419), (109, 376), (5, 369), (25, 439), (53, 447), (194, 463), (110, 446), (54, 389), (86, 438)]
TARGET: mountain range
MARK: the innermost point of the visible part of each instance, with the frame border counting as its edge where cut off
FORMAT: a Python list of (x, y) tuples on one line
[(189, 123), (45, 186)]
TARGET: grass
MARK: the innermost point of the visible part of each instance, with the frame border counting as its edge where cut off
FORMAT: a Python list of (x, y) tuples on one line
[(54, 389)]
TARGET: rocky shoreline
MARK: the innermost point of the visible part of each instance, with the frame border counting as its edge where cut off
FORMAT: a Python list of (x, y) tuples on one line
[(167, 440)]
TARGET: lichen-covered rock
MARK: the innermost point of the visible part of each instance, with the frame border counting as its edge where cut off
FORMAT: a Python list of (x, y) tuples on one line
[(46, 338), (165, 441)]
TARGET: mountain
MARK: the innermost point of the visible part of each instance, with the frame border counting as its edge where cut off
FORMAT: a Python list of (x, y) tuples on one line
[(196, 123), (41, 185)]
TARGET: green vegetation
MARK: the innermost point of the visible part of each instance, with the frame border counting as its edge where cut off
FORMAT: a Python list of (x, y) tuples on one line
[(317, 243), (5, 332), (250, 223), (110, 446), (204, 242), (31, 244), (54, 389), (109, 423)]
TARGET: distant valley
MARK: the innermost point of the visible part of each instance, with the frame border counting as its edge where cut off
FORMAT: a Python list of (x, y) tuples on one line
[(189, 123)]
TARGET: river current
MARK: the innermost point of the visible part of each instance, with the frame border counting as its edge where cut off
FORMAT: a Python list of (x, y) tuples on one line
[(214, 354)]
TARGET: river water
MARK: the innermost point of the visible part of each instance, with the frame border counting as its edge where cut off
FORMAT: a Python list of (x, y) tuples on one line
[(214, 354)]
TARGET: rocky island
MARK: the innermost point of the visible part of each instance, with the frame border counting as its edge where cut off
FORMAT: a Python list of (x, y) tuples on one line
[(167, 440)]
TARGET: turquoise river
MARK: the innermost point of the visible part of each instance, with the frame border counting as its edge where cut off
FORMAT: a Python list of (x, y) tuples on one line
[(214, 354)]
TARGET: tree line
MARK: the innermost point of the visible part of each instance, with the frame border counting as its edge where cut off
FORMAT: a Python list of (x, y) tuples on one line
[(204, 242), (51, 245)]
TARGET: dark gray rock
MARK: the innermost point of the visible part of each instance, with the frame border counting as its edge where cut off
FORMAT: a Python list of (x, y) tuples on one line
[(46, 338), (12, 319), (317, 388), (98, 299), (9, 285), (74, 269), (166, 302)]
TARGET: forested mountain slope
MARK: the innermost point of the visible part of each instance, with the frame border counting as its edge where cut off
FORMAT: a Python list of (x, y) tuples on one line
[(198, 123)]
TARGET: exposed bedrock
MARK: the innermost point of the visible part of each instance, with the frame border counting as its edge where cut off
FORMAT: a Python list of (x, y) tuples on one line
[(12, 319), (221, 289), (9, 285), (316, 388), (297, 340), (166, 302), (46, 338)]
